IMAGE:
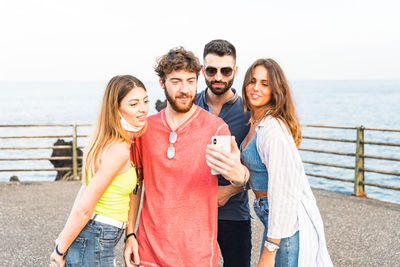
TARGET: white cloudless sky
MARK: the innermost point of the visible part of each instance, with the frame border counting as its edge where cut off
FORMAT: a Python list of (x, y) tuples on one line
[(51, 40)]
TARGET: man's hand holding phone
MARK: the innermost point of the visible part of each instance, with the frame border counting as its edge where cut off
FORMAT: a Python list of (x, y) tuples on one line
[(223, 157), (222, 143)]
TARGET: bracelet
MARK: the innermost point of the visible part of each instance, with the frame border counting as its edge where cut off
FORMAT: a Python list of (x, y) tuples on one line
[(59, 253), (243, 184), (127, 236), (245, 187), (272, 242)]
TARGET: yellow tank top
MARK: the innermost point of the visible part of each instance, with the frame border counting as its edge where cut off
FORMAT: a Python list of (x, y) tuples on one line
[(114, 203)]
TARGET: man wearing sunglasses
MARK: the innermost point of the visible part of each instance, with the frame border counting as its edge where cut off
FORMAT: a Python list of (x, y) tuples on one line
[(219, 98), (179, 219)]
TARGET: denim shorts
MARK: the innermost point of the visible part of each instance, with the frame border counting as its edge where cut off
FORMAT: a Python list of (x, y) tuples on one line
[(288, 252), (94, 246)]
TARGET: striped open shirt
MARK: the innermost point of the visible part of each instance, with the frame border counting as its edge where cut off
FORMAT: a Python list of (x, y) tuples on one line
[(292, 205)]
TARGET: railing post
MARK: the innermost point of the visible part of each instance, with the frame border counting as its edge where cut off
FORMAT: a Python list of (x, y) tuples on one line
[(74, 151), (359, 164)]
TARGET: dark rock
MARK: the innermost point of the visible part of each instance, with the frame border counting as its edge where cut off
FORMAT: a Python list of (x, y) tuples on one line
[(161, 104), (64, 152), (14, 178)]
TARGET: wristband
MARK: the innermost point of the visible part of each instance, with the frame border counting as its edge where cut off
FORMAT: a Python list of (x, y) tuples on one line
[(59, 253), (127, 236), (243, 184), (245, 187), (271, 246), (269, 241)]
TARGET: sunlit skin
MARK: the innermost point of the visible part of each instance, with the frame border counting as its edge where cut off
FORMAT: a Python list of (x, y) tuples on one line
[(181, 89), (258, 91), (113, 161), (219, 83), (135, 106)]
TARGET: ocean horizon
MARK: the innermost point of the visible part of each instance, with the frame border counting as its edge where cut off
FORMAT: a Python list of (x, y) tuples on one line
[(371, 103)]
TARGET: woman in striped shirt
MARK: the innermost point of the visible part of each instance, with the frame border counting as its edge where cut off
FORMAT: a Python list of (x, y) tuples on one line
[(294, 232)]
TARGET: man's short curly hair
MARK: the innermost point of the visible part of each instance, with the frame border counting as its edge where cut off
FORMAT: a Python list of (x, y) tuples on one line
[(177, 59)]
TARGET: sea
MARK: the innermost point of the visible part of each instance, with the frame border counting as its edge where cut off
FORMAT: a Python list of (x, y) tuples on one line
[(371, 103)]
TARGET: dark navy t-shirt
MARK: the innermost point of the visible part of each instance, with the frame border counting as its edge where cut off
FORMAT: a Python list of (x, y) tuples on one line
[(232, 112)]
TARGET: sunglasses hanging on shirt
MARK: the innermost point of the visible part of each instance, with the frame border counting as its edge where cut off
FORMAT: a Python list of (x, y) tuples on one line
[(171, 150)]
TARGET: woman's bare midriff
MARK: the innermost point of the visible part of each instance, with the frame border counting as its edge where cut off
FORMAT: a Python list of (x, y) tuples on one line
[(260, 193)]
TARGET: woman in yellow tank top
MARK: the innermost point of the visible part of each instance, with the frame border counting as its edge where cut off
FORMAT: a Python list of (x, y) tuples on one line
[(106, 199)]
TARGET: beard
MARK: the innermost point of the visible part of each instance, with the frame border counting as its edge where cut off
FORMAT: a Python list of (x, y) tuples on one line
[(175, 104), (219, 91)]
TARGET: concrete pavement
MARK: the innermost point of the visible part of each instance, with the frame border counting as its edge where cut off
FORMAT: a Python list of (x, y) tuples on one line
[(360, 232)]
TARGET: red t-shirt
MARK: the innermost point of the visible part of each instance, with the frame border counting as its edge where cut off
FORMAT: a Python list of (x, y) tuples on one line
[(179, 219)]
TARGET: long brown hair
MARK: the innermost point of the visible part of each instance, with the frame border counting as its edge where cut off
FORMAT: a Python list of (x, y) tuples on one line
[(108, 129), (281, 105)]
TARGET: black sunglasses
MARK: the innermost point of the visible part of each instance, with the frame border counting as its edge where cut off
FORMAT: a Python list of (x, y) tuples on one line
[(226, 71)]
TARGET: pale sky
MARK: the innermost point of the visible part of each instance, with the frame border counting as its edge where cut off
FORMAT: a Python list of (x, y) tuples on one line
[(51, 40)]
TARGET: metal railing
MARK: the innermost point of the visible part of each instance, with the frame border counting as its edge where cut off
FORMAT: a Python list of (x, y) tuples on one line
[(359, 155), (74, 147)]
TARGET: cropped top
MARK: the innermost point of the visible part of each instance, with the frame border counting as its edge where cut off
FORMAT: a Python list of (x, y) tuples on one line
[(114, 203), (258, 171)]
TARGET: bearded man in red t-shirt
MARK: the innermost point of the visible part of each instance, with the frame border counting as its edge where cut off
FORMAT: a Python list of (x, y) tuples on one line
[(178, 222)]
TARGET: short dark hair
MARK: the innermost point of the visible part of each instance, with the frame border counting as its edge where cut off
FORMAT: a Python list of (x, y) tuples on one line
[(177, 59), (219, 47)]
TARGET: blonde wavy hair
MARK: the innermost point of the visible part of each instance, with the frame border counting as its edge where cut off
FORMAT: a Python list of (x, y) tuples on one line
[(108, 128)]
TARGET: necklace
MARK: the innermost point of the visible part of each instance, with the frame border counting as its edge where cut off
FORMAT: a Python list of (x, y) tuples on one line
[(258, 120)]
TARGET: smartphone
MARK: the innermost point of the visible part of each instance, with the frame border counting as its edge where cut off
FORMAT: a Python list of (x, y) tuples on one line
[(223, 141)]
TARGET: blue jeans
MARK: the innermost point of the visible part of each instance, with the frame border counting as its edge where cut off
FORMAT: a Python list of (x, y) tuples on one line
[(94, 246), (288, 252)]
